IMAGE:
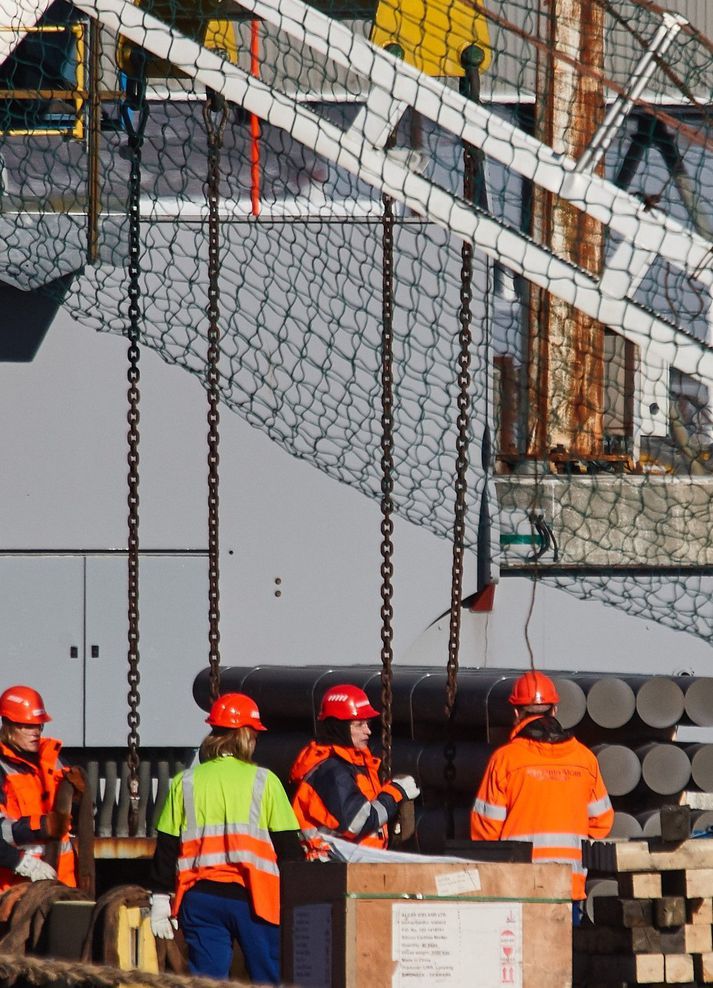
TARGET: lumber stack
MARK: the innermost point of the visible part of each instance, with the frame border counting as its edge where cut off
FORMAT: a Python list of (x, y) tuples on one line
[(658, 929)]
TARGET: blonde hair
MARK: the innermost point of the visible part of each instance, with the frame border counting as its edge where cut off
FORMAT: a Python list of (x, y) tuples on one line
[(238, 742)]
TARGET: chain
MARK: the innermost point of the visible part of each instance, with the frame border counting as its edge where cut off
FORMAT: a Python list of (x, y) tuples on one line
[(387, 480), (214, 115), (134, 103), (461, 480), (462, 438)]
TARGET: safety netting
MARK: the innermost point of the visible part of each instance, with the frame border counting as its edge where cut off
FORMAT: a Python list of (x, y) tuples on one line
[(568, 141)]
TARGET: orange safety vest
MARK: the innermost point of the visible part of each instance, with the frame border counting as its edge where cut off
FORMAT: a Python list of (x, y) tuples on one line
[(28, 789), (549, 794), (313, 816), (237, 852)]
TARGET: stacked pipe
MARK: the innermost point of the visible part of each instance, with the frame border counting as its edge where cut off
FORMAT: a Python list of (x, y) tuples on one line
[(629, 721)]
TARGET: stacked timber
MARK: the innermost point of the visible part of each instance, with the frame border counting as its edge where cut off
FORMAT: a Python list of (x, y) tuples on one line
[(654, 924)]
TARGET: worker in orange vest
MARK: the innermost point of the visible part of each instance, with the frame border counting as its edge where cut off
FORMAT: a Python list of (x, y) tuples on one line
[(224, 827), (30, 774), (338, 788), (543, 786)]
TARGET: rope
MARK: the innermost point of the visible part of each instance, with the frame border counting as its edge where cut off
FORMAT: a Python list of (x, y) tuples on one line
[(134, 103), (214, 115), (29, 914), (18, 970)]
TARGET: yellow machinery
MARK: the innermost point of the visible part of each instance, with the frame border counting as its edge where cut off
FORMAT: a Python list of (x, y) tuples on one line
[(432, 34)]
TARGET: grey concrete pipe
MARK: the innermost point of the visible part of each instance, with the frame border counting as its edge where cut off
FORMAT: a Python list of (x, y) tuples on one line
[(625, 825), (665, 768), (597, 887), (701, 820), (660, 702), (701, 757), (650, 821), (620, 768), (573, 703), (611, 702), (698, 699)]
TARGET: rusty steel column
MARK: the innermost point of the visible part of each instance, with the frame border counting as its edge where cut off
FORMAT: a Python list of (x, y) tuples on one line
[(566, 348)]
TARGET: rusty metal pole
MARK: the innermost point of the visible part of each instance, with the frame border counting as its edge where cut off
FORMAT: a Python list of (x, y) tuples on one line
[(566, 348)]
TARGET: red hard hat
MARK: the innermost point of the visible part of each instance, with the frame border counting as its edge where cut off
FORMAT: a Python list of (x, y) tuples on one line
[(235, 710), (533, 687), (346, 702), (23, 705)]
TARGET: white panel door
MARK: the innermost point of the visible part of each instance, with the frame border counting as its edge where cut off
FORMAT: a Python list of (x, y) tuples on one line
[(173, 646), (42, 631)]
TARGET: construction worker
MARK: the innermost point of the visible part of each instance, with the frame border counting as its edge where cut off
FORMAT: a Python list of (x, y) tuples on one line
[(543, 786), (338, 788), (223, 829), (31, 830)]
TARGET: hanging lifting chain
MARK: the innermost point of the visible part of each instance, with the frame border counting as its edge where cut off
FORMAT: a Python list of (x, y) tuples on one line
[(134, 113), (214, 115), (387, 480), (461, 477), (462, 439)]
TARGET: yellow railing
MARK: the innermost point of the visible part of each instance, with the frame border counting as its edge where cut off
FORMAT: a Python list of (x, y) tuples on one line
[(78, 95)]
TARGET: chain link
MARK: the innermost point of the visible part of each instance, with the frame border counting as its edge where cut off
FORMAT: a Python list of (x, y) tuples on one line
[(134, 104), (214, 115), (387, 481)]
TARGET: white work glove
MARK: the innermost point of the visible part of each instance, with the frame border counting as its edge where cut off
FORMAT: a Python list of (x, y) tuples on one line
[(34, 868), (162, 923), (407, 785)]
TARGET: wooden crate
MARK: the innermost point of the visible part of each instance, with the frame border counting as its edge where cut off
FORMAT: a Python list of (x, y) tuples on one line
[(387, 925)]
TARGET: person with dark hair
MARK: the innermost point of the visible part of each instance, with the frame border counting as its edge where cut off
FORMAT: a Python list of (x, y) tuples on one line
[(223, 830), (338, 790), (543, 786), (32, 830)]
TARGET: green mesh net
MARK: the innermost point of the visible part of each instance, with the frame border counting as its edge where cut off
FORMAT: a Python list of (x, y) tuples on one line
[(598, 474)]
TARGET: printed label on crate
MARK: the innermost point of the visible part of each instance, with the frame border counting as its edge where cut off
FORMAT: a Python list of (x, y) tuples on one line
[(312, 946), (456, 944), (458, 882)]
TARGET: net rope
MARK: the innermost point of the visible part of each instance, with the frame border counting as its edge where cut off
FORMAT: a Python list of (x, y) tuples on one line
[(301, 280)]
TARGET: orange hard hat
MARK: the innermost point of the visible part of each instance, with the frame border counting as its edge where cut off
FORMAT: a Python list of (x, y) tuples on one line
[(533, 687), (346, 702), (23, 705), (235, 710)]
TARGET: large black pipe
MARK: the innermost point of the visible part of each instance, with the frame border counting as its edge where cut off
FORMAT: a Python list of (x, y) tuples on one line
[(620, 768), (701, 756), (625, 825), (660, 702), (698, 699), (611, 701), (425, 762), (665, 768), (291, 696)]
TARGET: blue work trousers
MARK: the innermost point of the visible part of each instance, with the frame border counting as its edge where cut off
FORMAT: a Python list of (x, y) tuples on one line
[(210, 923)]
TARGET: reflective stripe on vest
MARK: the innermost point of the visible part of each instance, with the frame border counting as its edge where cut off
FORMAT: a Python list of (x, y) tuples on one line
[(599, 807), (490, 810)]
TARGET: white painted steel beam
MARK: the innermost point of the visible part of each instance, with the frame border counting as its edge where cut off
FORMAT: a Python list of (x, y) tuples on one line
[(16, 18), (477, 125), (388, 173)]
